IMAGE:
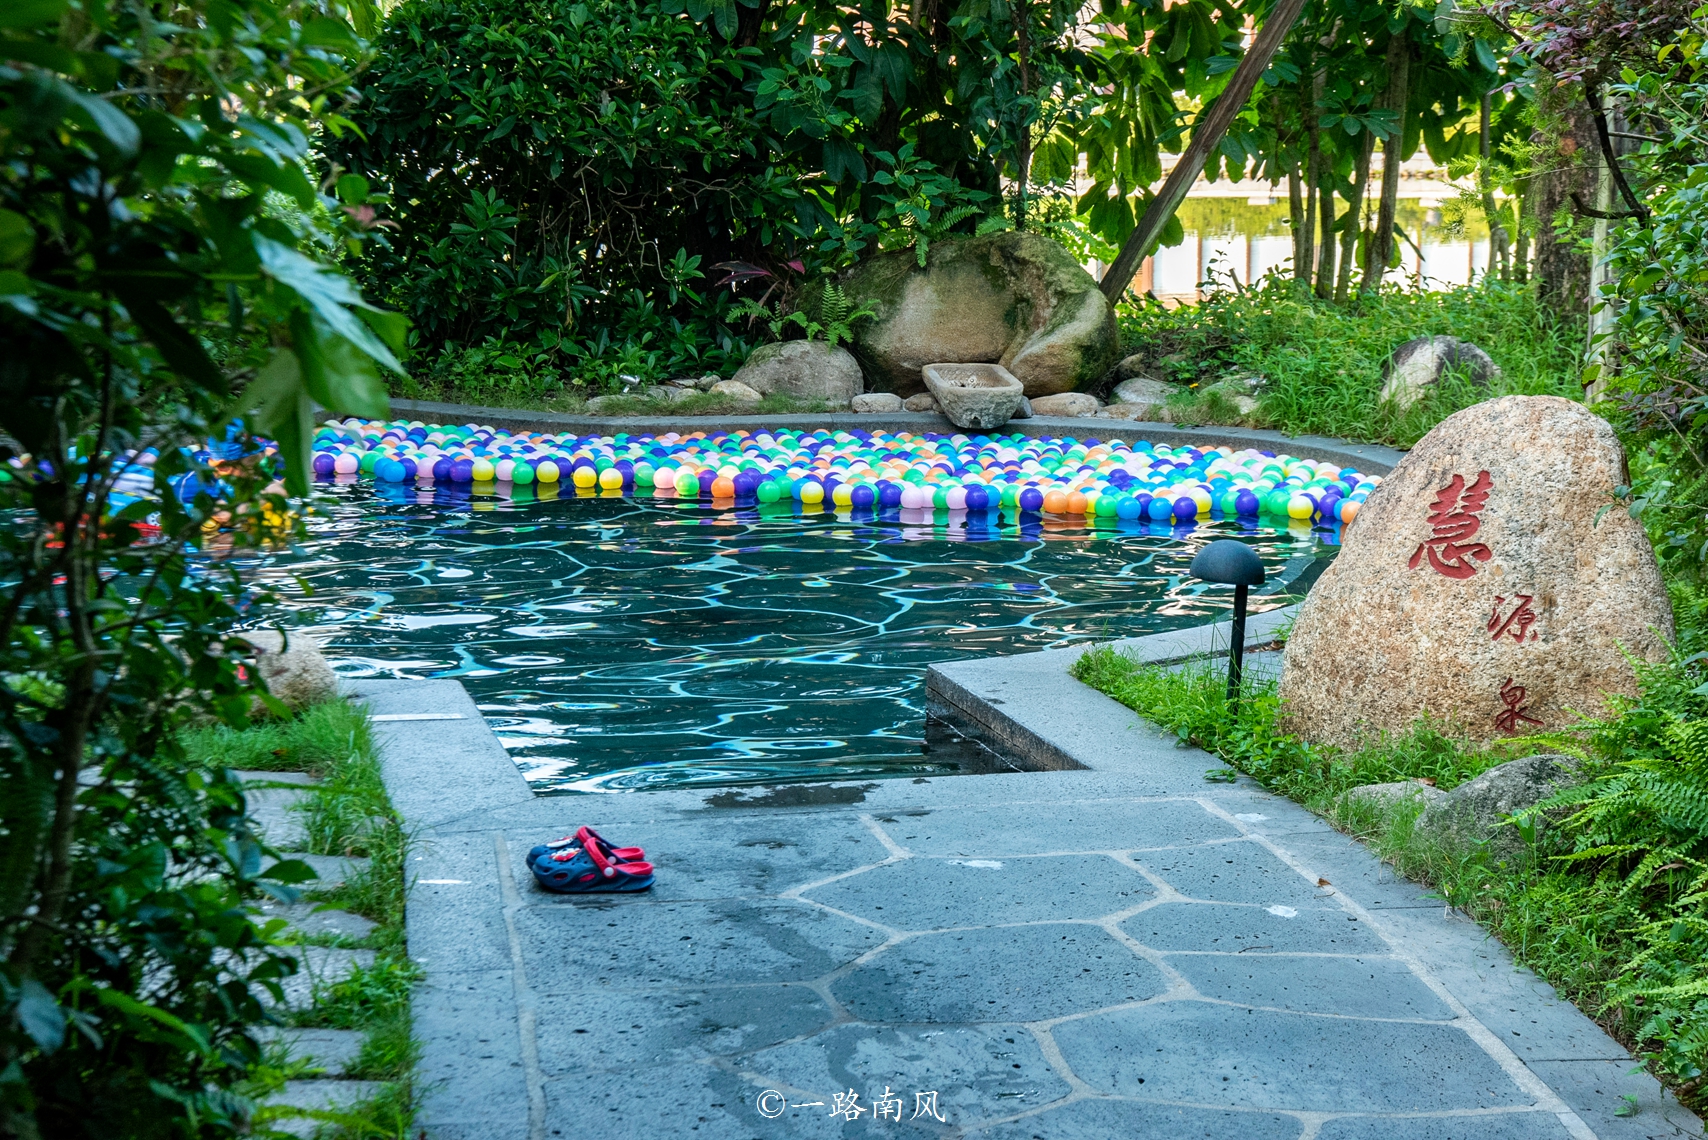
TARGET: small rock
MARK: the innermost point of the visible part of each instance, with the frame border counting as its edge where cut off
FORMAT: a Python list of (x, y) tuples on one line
[(317, 1096), (1130, 366), (1143, 390), (1473, 812), (924, 402), (1024, 411), (736, 390), (1129, 412), (871, 403), (804, 369), (295, 670), (1065, 404), (1418, 364)]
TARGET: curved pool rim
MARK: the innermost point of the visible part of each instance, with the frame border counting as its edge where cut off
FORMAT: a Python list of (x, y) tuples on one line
[(1370, 458)]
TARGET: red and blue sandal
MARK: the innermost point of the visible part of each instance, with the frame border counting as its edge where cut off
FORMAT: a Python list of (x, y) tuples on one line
[(586, 870), (582, 837)]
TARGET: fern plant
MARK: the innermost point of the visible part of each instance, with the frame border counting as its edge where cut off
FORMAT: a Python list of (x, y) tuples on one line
[(837, 316)]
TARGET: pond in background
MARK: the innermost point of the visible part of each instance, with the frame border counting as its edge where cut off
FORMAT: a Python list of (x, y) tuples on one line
[(625, 643)]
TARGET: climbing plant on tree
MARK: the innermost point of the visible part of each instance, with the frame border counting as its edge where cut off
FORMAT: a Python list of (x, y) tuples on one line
[(163, 249)]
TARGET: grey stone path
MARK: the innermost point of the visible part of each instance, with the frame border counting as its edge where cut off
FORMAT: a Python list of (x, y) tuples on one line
[(1120, 951)]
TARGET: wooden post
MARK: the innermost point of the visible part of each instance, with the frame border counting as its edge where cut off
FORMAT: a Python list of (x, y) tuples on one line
[(1206, 136)]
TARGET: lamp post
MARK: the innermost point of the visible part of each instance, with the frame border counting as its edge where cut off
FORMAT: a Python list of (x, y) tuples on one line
[(1231, 563)]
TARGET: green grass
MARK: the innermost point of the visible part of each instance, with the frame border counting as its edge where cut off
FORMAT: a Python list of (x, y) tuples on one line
[(1608, 906), (346, 813), (1323, 363), (572, 402)]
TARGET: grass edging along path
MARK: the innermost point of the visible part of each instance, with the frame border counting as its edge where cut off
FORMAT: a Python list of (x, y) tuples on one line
[(343, 813), (1586, 925)]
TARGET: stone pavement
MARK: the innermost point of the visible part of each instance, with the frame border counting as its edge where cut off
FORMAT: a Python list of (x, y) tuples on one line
[(1122, 950)]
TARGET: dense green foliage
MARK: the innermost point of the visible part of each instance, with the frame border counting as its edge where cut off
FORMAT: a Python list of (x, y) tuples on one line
[(1322, 364), (153, 196), (1613, 904)]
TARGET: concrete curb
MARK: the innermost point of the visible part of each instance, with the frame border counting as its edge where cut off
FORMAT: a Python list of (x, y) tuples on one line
[(1371, 458)]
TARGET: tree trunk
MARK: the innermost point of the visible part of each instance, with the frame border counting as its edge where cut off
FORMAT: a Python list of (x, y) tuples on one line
[(1354, 219), (1325, 218), (1521, 239), (1398, 94), (1313, 176), (1497, 232), (1023, 157), (1301, 230), (1565, 169)]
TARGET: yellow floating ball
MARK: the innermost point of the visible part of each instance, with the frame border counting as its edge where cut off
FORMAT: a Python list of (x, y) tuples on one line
[(547, 472), (812, 493), (482, 471), (584, 476), (611, 479), (843, 495), (1300, 507)]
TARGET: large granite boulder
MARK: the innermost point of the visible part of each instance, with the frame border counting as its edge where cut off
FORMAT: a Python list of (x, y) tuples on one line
[(1420, 363), (1482, 583), (1014, 299), (804, 369), (1476, 811)]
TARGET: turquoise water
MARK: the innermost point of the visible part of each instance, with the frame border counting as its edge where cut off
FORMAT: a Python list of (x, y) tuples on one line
[(618, 644)]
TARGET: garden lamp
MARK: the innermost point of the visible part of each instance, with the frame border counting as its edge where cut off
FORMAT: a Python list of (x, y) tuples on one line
[(1232, 563)]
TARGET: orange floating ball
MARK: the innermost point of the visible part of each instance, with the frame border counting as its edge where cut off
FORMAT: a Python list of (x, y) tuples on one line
[(1056, 503), (723, 488), (1075, 503)]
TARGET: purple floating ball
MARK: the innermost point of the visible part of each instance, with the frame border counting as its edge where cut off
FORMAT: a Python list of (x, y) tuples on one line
[(1247, 504), (409, 468), (862, 496), (889, 494), (1031, 499), (978, 498), (707, 478), (323, 464), (1185, 508), (462, 471), (744, 484), (442, 468)]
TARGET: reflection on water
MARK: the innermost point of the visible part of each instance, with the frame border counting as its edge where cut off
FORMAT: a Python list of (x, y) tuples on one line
[(625, 643)]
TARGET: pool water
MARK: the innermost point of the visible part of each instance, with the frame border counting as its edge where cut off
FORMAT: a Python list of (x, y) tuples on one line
[(626, 643)]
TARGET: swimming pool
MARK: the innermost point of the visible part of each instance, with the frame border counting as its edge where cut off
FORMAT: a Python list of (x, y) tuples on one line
[(620, 643)]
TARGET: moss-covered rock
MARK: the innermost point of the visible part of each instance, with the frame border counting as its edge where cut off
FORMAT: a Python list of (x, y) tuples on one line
[(1014, 299)]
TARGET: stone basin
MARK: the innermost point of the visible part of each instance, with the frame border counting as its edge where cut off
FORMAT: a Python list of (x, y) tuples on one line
[(974, 395)]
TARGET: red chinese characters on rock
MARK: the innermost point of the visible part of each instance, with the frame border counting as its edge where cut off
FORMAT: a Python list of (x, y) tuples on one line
[(1516, 624), (1512, 696), (1454, 521)]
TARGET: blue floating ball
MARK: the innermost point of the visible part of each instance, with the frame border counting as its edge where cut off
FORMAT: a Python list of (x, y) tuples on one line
[(1031, 499), (442, 468), (1185, 508), (409, 468), (977, 498), (1247, 504), (388, 471), (862, 496), (889, 494), (1161, 509), (744, 484), (1127, 507)]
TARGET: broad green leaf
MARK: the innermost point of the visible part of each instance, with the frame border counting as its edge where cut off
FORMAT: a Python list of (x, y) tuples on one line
[(329, 293), (17, 239), (31, 13), (40, 1015)]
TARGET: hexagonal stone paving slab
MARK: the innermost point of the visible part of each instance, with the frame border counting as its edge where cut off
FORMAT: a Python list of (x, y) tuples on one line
[(1495, 1126), (1100, 1119), (569, 945), (1231, 872), (977, 1071), (1024, 829), (934, 894), (1215, 1054), (1250, 927), (1012, 973), (1354, 987)]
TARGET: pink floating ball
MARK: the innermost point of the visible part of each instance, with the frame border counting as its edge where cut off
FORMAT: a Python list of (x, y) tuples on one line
[(956, 498), (505, 469), (912, 498), (346, 464)]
